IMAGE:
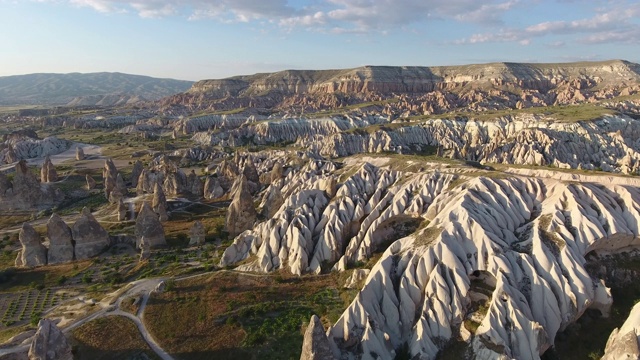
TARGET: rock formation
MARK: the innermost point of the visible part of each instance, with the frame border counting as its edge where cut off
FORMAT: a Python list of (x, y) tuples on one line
[(80, 153), (91, 183), (315, 345), (60, 241), (48, 171), (272, 202), (420, 90), (197, 233), (33, 252), (120, 185), (241, 214), (25, 191), (145, 249), (22, 145), (623, 342), (159, 203), (89, 236), (212, 188), (148, 226), (194, 184), (49, 343), (109, 176), (135, 173), (122, 211), (277, 172), (503, 232)]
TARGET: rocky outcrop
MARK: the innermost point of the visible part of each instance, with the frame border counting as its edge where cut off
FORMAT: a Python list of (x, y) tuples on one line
[(60, 241), (145, 249), (27, 147), (197, 233), (121, 212), (89, 236), (48, 171), (80, 153), (315, 345), (159, 203), (212, 188), (277, 172), (109, 176), (532, 234), (135, 173), (605, 144), (49, 343), (194, 184), (312, 229), (25, 191), (411, 90), (91, 183), (241, 214), (623, 342), (272, 202), (148, 226), (33, 252)]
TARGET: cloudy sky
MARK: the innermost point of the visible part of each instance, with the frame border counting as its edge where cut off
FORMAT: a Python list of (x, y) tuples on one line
[(198, 39)]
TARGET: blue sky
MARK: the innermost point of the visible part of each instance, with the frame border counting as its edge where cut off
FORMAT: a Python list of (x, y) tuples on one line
[(201, 39)]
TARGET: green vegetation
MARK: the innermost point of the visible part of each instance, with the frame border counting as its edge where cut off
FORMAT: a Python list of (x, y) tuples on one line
[(112, 337), (429, 235), (230, 315), (587, 338), (565, 113)]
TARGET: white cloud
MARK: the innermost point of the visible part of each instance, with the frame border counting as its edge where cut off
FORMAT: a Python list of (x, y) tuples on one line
[(616, 23), (225, 10), (348, 15)]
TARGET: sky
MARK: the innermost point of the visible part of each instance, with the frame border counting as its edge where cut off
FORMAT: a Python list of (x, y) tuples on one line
[(209, 39)]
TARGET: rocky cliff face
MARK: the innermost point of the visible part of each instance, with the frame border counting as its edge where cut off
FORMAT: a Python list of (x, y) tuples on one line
[(25, 192), (510, 84), (498, 261), (608, 144), (26, 147)]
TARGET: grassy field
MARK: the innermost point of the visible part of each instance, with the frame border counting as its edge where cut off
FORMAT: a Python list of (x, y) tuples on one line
[(228, 315), (112, 337)]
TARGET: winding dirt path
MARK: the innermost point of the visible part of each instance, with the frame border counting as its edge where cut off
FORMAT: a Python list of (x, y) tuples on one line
[(112, 308)]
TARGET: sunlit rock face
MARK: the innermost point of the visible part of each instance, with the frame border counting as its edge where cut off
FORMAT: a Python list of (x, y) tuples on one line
[(521, 240)]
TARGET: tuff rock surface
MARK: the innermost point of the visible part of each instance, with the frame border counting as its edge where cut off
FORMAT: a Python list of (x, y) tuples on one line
[(525, 236), (80, 153), (60, 241), (25, 191), (49, 343), (623, 342), (241, 214), (197, 233), (91, 183), (148, 226), (48, 171), (315, 345), (33, 252), (89, 236)]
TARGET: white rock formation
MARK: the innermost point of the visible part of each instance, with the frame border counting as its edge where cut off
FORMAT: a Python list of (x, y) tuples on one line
[(531, 234), (60, 241), (623, 342), (309, 230), (89, 236), (33, 252), (49, 343)]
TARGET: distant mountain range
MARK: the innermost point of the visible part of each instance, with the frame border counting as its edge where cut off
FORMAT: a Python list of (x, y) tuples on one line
[(86, 89)]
